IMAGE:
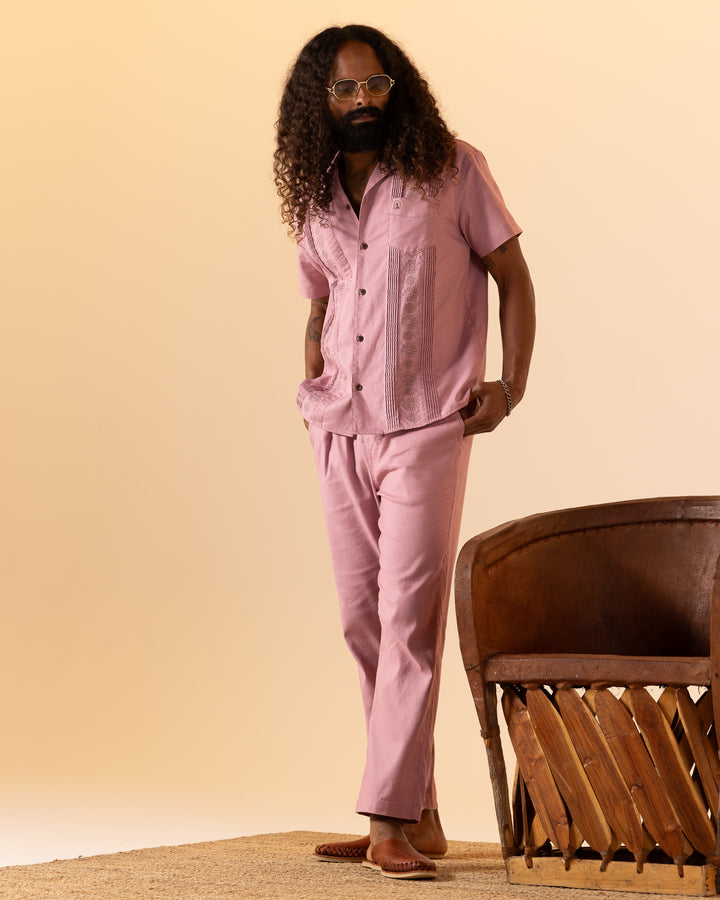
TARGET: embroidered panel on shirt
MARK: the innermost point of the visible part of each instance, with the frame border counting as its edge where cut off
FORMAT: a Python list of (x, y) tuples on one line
[(410, 390), (326, 247), (322, 392), (332, 385)]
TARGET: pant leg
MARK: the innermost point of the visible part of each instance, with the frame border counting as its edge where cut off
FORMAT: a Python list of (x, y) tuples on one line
[(351, 509), (421, 476), (392, 505)]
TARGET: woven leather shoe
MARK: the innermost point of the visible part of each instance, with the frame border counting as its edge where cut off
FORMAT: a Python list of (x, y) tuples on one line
[(392, 859), (344, 851)]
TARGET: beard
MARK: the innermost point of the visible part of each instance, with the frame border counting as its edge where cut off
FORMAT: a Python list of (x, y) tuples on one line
[(357, 137)]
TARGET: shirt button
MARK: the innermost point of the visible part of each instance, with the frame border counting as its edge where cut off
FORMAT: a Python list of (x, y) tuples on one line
[(362, 292), (359, 339), (358, 387), (363, 246)]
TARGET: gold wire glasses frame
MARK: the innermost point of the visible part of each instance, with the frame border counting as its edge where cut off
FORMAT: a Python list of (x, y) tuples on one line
[(349, 88)]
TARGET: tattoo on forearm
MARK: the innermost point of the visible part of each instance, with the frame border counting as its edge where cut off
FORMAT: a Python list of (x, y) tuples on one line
[(314, 329), (503, 248)]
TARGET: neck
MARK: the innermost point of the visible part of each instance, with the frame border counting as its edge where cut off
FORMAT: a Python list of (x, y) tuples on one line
[(355, 172), (356, 164)]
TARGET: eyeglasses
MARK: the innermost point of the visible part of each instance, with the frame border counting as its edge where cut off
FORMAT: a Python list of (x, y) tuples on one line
[(348, 88)]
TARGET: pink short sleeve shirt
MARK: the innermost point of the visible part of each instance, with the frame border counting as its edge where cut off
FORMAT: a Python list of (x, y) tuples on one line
[(406, 324)]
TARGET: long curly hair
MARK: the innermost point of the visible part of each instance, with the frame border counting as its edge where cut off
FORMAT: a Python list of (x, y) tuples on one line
[(419, 145)]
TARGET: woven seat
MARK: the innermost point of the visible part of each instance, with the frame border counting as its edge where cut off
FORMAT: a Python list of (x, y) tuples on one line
[(599, 628)]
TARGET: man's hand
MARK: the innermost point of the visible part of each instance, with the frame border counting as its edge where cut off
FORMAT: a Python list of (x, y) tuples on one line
[(490, 408)]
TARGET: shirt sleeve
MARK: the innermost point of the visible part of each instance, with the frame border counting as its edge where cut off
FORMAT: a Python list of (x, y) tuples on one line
[(313, 281), (485, 221)]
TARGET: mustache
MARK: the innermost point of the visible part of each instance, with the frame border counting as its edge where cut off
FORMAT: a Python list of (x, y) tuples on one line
[(354, 114)]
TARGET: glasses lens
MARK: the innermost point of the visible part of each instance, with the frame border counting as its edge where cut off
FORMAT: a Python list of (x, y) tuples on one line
[(379, 85), (345, 89)]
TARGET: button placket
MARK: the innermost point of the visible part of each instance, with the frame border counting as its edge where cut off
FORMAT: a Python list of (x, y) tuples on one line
[(360, 313)]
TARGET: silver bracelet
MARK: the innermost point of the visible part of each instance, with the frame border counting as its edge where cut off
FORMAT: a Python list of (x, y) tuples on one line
[(508, 398)]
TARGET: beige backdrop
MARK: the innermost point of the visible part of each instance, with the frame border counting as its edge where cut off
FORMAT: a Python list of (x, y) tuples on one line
[(172, 668)]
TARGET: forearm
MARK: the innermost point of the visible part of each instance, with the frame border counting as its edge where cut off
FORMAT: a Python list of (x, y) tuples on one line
[(507, 266), (314, 362), (517, 327)]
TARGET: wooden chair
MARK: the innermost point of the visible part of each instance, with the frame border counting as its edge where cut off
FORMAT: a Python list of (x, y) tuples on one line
[(600, 626)]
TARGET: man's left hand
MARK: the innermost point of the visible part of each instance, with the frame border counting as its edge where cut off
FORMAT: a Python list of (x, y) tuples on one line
[(490, 409)]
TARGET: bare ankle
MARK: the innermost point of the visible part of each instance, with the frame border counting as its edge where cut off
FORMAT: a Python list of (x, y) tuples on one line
[(382, 827), (427, 834)]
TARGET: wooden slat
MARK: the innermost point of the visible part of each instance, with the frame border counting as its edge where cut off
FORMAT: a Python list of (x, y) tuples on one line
[(605, 777), (705, 711), (706, 715), (668, 703), (518, 801), (683, 794), (529, 830), (588, 698), (702, 750), (536, 774), (506, 668), (624, 698), (645, 786), (569, 774), (538, 835)]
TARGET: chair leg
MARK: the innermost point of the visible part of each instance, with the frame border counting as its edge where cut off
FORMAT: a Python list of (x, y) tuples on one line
[(486, 705)]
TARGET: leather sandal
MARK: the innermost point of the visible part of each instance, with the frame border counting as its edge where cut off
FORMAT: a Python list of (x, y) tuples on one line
[(344, 851), (392, 859)]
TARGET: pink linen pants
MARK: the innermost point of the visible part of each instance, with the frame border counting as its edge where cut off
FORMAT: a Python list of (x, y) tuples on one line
[(392, 506)]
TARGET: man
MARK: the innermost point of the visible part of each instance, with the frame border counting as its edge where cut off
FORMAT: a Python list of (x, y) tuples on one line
[(397, 225)]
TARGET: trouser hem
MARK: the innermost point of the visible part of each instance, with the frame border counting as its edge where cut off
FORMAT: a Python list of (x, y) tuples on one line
[(392, 810)]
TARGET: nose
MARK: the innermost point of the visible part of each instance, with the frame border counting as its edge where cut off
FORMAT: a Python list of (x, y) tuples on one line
[(363, 96)]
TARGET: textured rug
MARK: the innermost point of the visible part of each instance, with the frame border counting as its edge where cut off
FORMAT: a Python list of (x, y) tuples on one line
[(267, 867)]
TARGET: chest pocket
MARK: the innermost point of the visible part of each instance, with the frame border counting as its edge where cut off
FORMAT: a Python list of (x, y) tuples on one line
[(413, 223)]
